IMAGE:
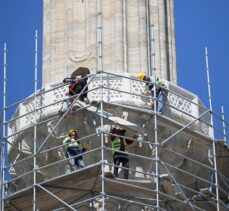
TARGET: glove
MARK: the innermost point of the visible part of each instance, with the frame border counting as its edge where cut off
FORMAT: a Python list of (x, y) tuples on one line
[(85, 146)]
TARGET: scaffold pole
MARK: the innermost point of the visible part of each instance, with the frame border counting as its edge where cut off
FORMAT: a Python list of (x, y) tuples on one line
[(155, 113), (224, 125), (100, 70), (3, 145), (35, 125), (212, 132)]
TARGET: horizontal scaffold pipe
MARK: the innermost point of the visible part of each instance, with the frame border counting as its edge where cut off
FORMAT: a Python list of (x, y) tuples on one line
[(46, 106), (17, 192), (131, 139), (42, 92), (63, 160), (48, 150), (61, 176), (220, 188), (131, 169), (220, 118), (202, 194), (20, 161), (31, 97), (53, 118), (65, 114), (80, 139), (140, 95), (170, 91), (48, 180), (67, 159), (133, 155), (81, 202), (20, 176), (131, 201), (152, 191), (152, 98), (19, 117), (30, 172), (178, 187), (188, 158), (93, 150), (199, 193), (44, 121), (133, 79), (53, 195), (45, 165), (15, 147), (219, 131), (187, 173), (62, 145), (188, 114), (186, 126), (224, 179)]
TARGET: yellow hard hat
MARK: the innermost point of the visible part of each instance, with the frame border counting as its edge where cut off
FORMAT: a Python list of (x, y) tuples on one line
[(140, 76), (71, 131)]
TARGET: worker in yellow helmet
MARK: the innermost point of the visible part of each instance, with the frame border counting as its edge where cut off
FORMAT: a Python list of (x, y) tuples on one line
[(160, 91), (141, 76), (74, 148)]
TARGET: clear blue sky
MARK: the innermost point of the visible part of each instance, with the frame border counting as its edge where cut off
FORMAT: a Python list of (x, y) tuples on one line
[(198, 23)]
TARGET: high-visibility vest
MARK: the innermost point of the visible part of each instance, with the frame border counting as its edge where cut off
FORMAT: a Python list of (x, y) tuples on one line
[(116, 143), (69, 142)]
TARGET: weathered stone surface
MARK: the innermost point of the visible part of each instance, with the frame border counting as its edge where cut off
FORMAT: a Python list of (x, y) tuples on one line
[(70, 37)]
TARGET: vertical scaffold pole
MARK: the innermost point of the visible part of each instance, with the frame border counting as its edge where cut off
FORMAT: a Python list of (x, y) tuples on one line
[(124, 17), (212, 124), (155, 113), (224, 125), (3, 145), (100, 70), (35, 126)]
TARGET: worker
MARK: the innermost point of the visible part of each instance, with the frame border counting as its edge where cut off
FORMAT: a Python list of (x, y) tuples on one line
[(120, 149), (74, 148), (160, 91), (76, 86)]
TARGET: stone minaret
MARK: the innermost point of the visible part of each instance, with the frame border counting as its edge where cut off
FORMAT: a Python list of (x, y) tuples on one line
[(70, 37)]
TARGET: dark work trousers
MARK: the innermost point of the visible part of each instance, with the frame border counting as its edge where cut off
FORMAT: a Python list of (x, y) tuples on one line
[(118, 158), (73, 151), (161, 96)]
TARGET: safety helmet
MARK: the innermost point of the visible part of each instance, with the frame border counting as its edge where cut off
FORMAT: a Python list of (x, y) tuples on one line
[(71, 131), (140, 76)]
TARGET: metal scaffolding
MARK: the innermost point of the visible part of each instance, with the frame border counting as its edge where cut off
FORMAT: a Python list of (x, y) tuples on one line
[(161, 186), (102, 164)]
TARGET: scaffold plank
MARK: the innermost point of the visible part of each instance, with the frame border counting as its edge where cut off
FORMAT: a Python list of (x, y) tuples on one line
[(67, 187)]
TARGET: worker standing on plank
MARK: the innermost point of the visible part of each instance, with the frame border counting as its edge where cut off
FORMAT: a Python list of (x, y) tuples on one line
[(120, 149), (160, 91), (74, 148)]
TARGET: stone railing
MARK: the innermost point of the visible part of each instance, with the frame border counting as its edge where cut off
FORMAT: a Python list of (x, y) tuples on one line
[(181, 105)]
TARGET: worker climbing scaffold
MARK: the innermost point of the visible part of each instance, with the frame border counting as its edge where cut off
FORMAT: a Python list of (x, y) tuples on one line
[(120, 150), (149, 90), (74, 149), (75, 88)]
